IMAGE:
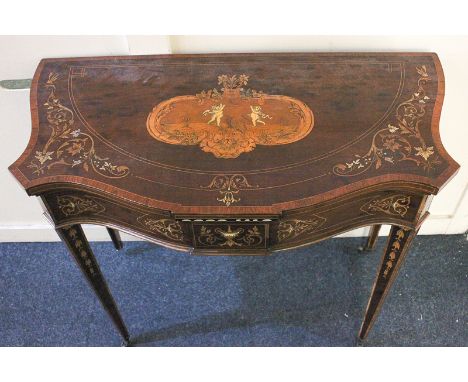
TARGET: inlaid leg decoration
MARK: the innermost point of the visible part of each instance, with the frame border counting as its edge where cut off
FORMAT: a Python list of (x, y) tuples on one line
[(398, 243), (373, 235), (115, 237), (78, 245)]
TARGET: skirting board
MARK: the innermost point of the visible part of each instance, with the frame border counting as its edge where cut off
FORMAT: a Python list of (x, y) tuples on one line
[(45, 233)]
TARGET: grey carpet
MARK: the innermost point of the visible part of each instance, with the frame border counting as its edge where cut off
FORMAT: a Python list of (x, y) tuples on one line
[(313, 296)]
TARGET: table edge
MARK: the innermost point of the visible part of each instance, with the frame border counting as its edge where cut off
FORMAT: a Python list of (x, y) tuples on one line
[(424, 184)]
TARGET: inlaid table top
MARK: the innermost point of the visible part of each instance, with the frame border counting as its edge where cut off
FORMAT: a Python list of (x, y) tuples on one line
[(240, 154), (243, 133)]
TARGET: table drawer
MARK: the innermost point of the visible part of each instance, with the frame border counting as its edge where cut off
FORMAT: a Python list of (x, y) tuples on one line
[(230, 236), (336, 216)]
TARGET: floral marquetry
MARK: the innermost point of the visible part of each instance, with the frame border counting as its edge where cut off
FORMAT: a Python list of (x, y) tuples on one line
[(401, 140), (395, 249), (230, 236), (81, 247), (292, 228), (248, 133), (230, 121), (237, 154), (397, 205), (169, 228), (68, 145), (71, 205), (229, 187)]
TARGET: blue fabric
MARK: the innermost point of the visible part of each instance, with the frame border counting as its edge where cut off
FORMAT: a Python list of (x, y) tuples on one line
[(313, 296)]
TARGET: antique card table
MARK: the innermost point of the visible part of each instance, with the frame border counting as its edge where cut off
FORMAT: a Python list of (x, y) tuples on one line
[(237, 154)]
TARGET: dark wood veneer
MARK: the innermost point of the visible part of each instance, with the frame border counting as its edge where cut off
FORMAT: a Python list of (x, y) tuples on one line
[(237, 154)]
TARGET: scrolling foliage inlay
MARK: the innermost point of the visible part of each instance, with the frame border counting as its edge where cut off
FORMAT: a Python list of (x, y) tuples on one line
[(392, 205), (230, 121), (401, 140), (67, 145), (169, 228), (71, 205), (289, 229), (229, 186)]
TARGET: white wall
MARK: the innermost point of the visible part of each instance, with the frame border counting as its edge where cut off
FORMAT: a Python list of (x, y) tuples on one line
[(21, 217)]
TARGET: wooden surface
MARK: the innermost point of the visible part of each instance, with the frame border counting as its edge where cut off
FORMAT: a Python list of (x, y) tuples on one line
[(239, 153), (376, 113)]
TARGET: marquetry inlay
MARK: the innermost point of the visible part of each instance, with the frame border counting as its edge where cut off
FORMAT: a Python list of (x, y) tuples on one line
[(397, 205), (230, 236), (81, 249), (71, 205), (68, 145), (229, 186), (394, 250), (169, 228), (401, 139), (243, 167), (291, 228), (231, 120)]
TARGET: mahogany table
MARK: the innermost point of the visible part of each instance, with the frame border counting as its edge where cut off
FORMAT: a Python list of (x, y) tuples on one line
[(237, 154)]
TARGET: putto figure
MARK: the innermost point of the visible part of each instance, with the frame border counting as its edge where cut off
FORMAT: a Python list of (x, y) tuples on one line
[(216, 112), (230, 120), (257, 115)]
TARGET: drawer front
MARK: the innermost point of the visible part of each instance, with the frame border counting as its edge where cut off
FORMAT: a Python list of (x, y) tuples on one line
[(249, 235), (75, 207), (227, 236), (309, 225)]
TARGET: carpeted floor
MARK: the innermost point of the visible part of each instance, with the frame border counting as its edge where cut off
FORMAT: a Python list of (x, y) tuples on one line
[(314, 296)]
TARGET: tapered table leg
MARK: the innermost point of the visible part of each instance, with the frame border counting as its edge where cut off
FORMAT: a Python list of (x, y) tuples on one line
[(115, 237), (372, 239), (397, 246), (75, 239)]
